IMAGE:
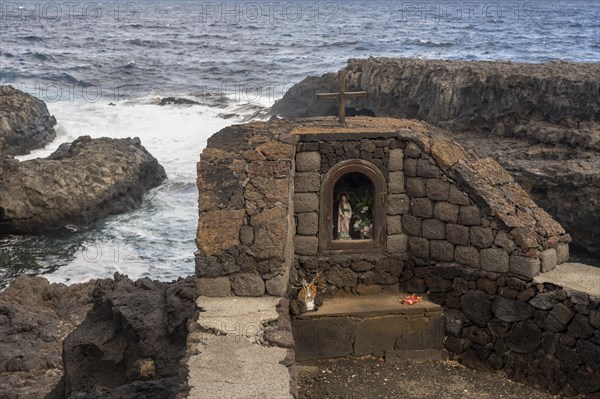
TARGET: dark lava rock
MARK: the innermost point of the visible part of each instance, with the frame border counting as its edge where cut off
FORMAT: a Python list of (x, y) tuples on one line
[(541, 122), (78, 184), (136, 331), (477, 307), (177, 101), (524, 337), (25, 122), (511, 310)]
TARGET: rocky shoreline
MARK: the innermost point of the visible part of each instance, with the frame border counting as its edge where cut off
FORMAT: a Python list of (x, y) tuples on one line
[(25, 123), (104, 338), (541, 122)]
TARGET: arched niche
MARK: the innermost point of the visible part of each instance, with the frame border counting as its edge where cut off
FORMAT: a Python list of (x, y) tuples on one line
[(362, 183)]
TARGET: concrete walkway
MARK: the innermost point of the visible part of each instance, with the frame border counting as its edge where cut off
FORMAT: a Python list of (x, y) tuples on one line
[(232, 360), (574, 276)]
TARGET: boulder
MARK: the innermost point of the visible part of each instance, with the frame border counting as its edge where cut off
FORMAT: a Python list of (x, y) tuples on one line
[(539, 121), (25, 122), (78, 184)]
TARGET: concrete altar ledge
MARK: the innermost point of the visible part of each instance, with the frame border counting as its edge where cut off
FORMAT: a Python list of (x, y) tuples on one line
[(356, 125), (375, 305), (574, 276)]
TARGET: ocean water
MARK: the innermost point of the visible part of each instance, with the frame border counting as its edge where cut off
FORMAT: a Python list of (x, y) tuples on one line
[(102, 66)]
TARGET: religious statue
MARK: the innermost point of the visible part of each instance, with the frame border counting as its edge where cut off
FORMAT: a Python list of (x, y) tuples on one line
[(344, 216)]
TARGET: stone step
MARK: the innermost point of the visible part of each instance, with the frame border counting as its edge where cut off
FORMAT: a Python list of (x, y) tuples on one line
[(378, 325)]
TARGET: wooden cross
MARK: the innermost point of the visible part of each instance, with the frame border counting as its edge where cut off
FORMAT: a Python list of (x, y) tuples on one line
[(342, 95)]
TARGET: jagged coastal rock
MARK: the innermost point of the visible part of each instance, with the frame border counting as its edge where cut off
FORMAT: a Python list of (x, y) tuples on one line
[(124, 339), (79, 183), (25, 122), (541, 122)]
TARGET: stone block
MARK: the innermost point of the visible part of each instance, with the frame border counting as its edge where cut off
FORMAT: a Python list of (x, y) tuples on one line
[(323, 337), (377, 335), (214, 287), (219, 230), (562, 314), (437, 189), (421, 332), (427, 168), (415, 187), (421, 207), (469, 216), (305, 245), (477, 307), (419, 247), (308, 161), (503, 240), (308, 224), (394, 224), (277, 285), (457, 196), (548, 260), (457, 234), (511, 310), (562, 253), (397, 204), (248, 284), (433, 229), (524, 337), (396, 182), (306, 202), (397, 243), (441, 250), (396, 160), (341, 277), (467, 256), (494, 260), (247, 235), (362, 266), (523, 266), (307, 182), (446, 212), (481, 237), (270, 233), (411, 225), (412, 150), (410, 167)]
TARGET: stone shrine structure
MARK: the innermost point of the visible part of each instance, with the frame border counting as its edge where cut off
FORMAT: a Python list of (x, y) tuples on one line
[(427, 216)]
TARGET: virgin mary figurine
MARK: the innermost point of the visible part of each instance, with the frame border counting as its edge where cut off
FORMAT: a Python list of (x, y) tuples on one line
[(344, 216)]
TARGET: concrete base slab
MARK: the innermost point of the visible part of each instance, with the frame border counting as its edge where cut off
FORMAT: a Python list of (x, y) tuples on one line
[(574, 276), (232, 361)]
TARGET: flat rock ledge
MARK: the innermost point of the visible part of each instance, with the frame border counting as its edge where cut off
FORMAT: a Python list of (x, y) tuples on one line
[(25, 122), (79, 183)]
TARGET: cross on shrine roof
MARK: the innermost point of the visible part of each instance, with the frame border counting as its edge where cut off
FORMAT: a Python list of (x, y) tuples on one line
[(342, 95)]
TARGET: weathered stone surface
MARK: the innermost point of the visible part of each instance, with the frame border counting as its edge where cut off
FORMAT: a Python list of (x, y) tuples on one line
[(562, 253), (270, 233), (396, 182), (25, 123), (308, 224), (412, 150), (494, 260), (214, 287), (410, 167), (419, 247), (457, 234), (441, 250), (523, 266), (481, 237), (396, 160), (433, 229), (415, 187), (306, 245), (306, 202), (503, 240), (454, 322), (447, 153), (362, 266), (457, 196), (247, 235), (548, 260), (309, 161), (397, 243), (562, 314), (589, 353), (394, 224), (446, 212), (595, 318), (277, 285), (307, 182), (397, 204), (524, 337), (477, 307), (579, 327), (411, 225), (341, 277), (511, 310), (219, 230), (544, 301), (248, 284), (323, 337), (266, 191), (467, 255), (469, 216), (421, 207), (437, 189), (427, 168)]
